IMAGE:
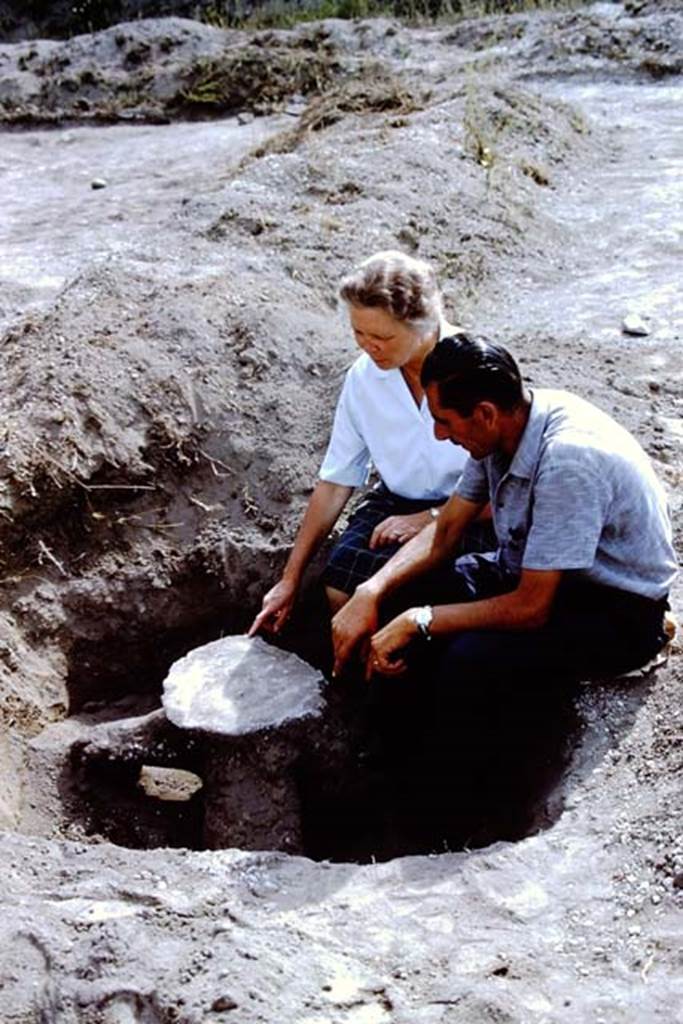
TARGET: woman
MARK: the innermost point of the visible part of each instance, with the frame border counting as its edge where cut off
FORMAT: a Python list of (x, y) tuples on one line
[(382, 419)]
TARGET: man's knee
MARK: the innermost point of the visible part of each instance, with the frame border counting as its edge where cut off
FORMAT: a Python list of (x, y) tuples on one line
[(469, 656)]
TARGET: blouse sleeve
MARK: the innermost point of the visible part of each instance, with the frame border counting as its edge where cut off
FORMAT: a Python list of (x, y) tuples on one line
[(347, 460)]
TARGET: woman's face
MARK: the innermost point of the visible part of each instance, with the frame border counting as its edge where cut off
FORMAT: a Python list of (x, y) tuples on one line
[(389, 342)]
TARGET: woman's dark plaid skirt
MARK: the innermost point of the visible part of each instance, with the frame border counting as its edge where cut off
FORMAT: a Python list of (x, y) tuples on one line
[(352, 561)]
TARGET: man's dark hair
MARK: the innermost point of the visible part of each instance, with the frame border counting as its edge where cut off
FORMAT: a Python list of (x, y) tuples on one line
[(471, 370)]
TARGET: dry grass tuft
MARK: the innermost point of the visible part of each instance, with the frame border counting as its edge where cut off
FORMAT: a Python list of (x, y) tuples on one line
[(372, 90), (255, 78)]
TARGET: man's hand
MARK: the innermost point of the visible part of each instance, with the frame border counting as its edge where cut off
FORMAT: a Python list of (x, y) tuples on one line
[(276, 608), (353, 625), (386, 645), (399, 529)]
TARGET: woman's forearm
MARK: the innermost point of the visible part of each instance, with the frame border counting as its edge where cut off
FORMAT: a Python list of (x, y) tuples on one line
[(324, 508)]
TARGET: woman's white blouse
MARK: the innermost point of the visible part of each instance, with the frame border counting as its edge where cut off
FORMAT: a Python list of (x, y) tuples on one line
[(378, 422)]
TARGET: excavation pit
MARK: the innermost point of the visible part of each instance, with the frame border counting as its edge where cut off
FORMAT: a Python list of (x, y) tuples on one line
[(284, 760)]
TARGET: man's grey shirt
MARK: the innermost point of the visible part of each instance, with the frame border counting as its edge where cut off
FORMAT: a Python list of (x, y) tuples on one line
[(580, 494)]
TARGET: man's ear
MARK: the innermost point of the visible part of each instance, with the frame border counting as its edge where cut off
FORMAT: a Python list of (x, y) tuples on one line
[(488, 414)]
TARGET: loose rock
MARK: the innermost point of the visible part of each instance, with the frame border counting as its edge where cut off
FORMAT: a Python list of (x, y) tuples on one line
[(169, 783), (238, 685), (635, 325)]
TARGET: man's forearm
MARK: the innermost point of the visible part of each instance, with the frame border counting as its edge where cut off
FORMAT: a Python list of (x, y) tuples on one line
[(526, 607), (505, 612), (424, 552), (414, 558), (359, 617)]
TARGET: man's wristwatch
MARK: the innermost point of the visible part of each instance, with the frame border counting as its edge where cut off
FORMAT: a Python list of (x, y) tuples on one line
[(422, 617)]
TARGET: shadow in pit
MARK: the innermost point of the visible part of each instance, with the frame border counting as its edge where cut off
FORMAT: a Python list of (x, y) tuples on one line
[(366, 783), (100, 784), (130, 651), (344, 794), (409, 792)]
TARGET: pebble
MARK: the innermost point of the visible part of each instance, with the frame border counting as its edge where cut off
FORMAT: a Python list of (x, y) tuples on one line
[(224, 1003), (98, 183), (635, 325), (174, 784)]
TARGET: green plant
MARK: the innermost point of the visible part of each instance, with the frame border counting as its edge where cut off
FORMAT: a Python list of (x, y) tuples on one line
[(215, 16), (478, 129)]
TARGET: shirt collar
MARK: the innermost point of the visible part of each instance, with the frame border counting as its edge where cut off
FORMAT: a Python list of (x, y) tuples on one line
[(526, 456), (375, 372)]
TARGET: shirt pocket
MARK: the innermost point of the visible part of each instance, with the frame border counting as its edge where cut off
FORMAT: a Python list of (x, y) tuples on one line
[(516, 536), (513, 544)]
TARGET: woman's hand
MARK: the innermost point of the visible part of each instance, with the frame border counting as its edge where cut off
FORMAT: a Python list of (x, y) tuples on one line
[(386, 645), (276, 608), (399, 529), (354, 624)]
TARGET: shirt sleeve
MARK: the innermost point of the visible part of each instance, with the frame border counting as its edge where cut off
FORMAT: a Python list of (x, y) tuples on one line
[(571, 501), (347, 460), (473, 484)]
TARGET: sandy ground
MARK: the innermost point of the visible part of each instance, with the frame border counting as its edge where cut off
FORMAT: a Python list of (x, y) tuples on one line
[(172, 349)]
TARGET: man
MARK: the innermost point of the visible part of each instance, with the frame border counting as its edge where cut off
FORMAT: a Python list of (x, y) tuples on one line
[(472, 688), (580, 581)]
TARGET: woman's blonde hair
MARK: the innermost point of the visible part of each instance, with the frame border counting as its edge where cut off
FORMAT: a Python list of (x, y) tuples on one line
[(403, 286)]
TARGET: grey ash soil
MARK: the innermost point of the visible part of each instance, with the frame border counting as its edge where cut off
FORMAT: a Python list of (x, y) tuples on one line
[(172, 348)]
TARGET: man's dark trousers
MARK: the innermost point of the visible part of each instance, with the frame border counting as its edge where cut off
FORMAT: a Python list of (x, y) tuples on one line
[(485, 714)]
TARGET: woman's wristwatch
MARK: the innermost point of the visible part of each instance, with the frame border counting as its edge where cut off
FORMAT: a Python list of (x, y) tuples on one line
[(422, 617)]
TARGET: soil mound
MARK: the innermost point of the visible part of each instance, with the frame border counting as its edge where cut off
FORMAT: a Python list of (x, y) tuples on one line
[(153, 70)]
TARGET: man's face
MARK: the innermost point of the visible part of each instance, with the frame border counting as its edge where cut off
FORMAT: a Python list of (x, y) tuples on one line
[(478, 434)]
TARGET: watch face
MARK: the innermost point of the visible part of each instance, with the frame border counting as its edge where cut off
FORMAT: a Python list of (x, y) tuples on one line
[(423, 618)]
